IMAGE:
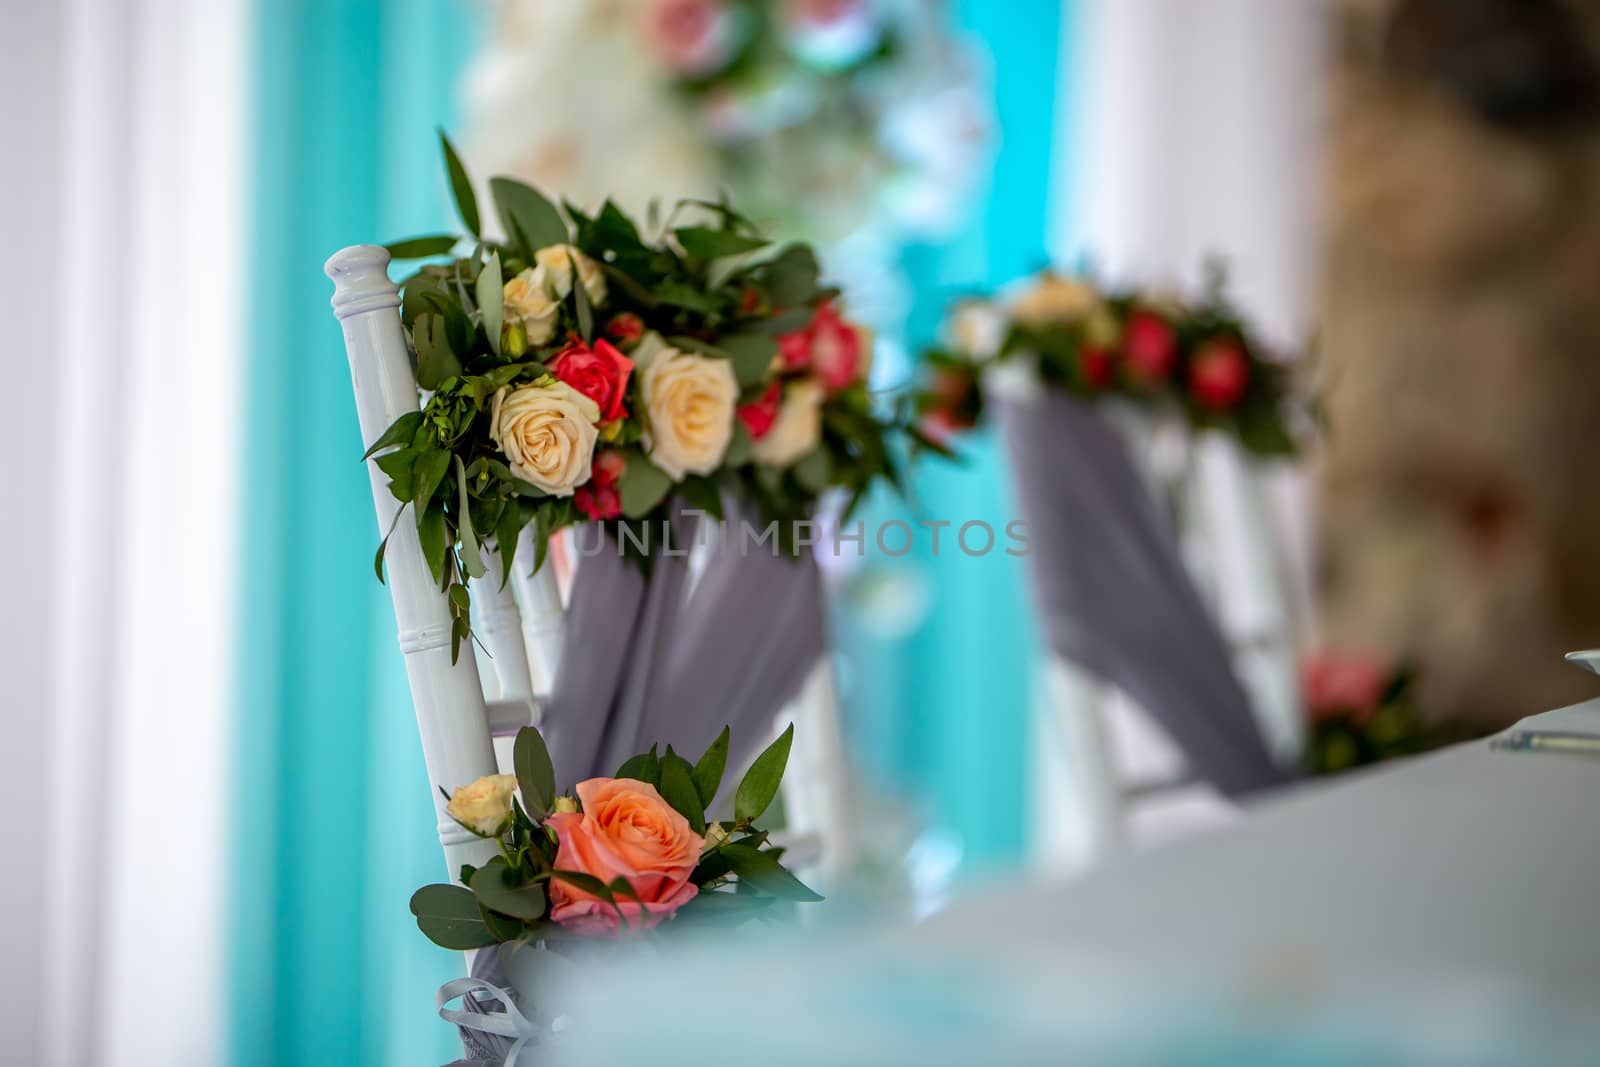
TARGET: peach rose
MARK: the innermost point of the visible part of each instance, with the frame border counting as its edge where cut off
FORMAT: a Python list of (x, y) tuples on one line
[(546, 432), (627, 831), (691, 400)]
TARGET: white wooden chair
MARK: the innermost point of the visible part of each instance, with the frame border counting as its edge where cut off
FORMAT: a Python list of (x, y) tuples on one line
[(461, 707)]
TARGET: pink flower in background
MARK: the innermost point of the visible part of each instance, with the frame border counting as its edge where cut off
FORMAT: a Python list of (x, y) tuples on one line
[(626, 830), (831, 34), (625, 328), (599, 499), (1099, 365), (694, 37), (1219, 374), (1151, 347), (794, 349), (1343, 683), (759, 415)]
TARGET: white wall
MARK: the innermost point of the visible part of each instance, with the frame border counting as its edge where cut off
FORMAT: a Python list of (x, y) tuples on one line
[(122, 197)]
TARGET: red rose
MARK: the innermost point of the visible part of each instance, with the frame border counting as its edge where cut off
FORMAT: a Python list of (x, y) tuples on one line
[(1099, 365), (1342, 683), (1151, 347), (794, 349), (836, 350), (599, 498), (625, 329), (1219, 375), (599, 373), (759, 415)]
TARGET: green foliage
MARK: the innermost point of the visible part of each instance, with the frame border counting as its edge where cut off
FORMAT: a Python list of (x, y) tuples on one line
[(711, 285), (536, 776), (760, 783), (449, 916)]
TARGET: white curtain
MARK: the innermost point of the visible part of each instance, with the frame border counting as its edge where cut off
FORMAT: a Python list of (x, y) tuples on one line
[(121, 198)]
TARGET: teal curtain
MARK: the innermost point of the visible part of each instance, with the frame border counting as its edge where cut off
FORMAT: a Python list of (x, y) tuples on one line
[(941, 712), (334, 821)]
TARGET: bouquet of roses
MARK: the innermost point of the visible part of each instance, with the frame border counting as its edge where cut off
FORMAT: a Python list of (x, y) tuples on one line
[(577, 371), (1196, 359), (618, 858)]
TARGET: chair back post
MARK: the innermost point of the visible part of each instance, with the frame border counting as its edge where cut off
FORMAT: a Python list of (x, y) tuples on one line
[(448, 697)]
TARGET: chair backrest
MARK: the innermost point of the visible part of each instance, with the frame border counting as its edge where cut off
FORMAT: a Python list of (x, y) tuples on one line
[(453, 714)]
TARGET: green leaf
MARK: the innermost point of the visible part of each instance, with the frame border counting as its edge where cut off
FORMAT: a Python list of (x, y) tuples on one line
[(811, 471), (497, 888), (791, 277), (400, 432), (400, 466), (708, 772), (436, 361), (701, 493), (522, 207), (586, 882), (678, 789), (431, 532), (422, 247), (642, 486), (763, 871), (383, 546), (751, 354), (506, 538), (530, 759), (460, 186), (702, 242), (491, 300), (449, 916), (760, 783), (645, 767), (471, 558), (580, 302), (740, 447), (505, 928), (431, 467)]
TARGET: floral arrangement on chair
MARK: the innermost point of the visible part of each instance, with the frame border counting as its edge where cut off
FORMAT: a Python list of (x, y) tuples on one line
[(1198, 360), (577, 371), (1362, 711), (619, 858)]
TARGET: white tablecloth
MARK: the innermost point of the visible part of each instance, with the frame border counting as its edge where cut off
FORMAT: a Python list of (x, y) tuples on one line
[(1444, 910)]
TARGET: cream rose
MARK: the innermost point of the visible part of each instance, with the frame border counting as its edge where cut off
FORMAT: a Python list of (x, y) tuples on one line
[(1055, 299), (978, 329), (547, 432), (555, 270), (527, 302), (690, 400), (796, 430), (484, 807)]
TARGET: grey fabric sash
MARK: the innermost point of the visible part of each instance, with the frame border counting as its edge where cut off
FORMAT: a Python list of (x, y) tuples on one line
[(646, 662), (1113, 593)]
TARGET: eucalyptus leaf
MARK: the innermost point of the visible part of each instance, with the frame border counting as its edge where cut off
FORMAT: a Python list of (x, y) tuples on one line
[(760, 782), (471, 558), (791, 277), (431, 532), (702, 242), (496, 887), (642, 485), (449, 916), (422, 247), (431, 467), (435, 359), (536, 775), (580, 303), (461, 187), (752, 355), (811, 471), (491, 300), (522, 206)]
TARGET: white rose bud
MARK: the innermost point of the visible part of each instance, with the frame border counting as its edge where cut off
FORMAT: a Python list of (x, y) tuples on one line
[(527, 303), (690, 400), (484, 807), (555, 271), (977, 330), (566, 804), (796, 430), (547, 432), (715, 835)]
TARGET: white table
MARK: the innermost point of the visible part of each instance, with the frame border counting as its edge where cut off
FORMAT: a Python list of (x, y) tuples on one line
[(1444, 910)]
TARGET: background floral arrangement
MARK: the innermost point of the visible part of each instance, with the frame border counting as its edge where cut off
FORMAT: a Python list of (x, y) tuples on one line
[(578, 371), (1363, 711), (1198, 359), (824, 117), (617, 859)]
